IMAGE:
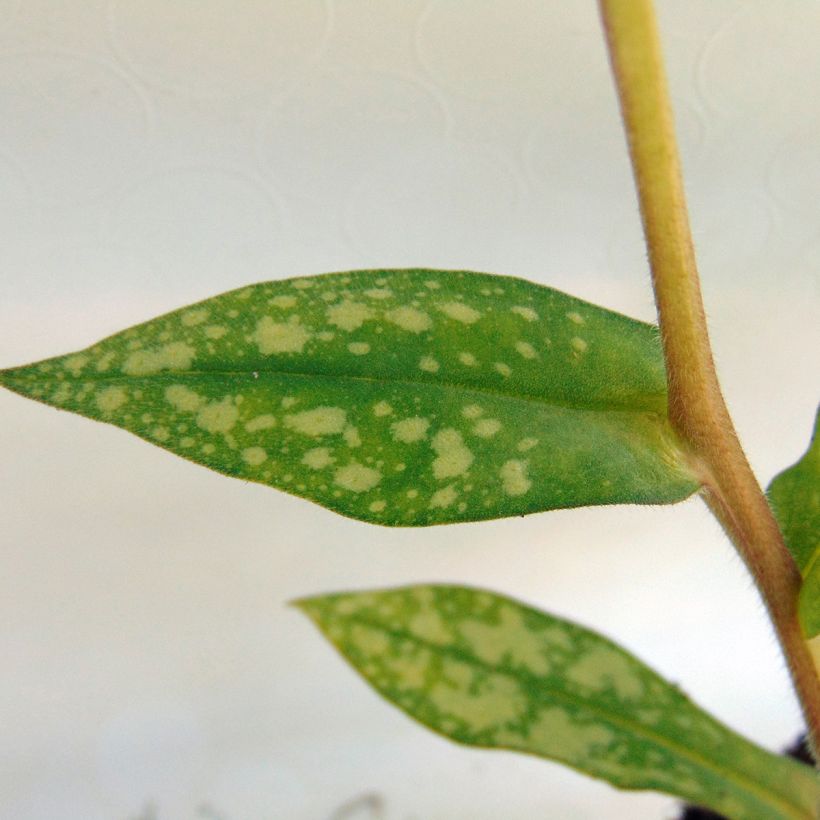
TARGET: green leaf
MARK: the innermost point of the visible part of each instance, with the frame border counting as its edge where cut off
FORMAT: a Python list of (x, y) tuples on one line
[(401, 397), (794, 496), (487, 671)]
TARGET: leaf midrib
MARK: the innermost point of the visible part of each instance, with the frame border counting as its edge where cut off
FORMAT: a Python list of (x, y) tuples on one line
[(447, 385), (750, 785)]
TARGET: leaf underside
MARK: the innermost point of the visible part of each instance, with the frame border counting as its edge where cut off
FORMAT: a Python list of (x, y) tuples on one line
[(400, 397), (794, 495), (486, 671)]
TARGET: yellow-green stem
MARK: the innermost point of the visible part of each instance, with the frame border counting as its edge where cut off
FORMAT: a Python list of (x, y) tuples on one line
[(696, 407)]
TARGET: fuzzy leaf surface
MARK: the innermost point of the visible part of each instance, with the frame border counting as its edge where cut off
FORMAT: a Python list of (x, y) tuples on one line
[(794, 495), (401, 397), (487, 671)]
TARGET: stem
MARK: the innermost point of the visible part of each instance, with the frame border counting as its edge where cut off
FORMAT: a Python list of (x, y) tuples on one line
[(697, 410)]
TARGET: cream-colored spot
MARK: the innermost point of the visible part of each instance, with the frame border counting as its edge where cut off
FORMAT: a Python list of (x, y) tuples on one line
[(453, 458), (525, 313), (318, 458), (410, 430), (504, 369), (111, 399), (471, 411), (356, 477), (428, 625), (498, 701), (443, 497), (410, 319), (62, 393), (412, 493), (578, 344), (183, 398), (263, 422), (359, 348), (526, 444), (603, 668), (575, 318), (254, 456), (382, 408), (432, 284), (514, 477), (187, 442), (284, 301), (321, 421), (348, 315), (289, 401), (218, 416), (377, 506), (378, 293), (326, 336), (555, 732), (104, 362), (215, 331), (194, 317), (208, 448), (280, 337), (173, 356), (302, 284), (467, 359), (526, 350), (428, 364), (75, 364), (511, 638), (486, 428), (351, 436), (460, 312), (160, 433)]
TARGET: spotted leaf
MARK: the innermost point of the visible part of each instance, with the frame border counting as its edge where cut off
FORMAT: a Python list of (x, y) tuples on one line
[(402, 397), (795, 498), (487, 671)]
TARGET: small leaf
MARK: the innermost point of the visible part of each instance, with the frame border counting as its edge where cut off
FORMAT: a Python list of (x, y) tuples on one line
[(400, 397), (487, 671), (795, 498)]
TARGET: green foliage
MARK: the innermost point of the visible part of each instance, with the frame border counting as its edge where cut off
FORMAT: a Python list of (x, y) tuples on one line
[(403, 397), (795, 498), (487, 671)]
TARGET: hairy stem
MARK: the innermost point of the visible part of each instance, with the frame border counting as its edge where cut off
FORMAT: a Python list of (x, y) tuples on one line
[(696, 407)]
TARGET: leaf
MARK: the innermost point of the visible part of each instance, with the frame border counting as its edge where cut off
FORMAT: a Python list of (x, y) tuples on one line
[(486, 671), (794, 496), (401, 397)]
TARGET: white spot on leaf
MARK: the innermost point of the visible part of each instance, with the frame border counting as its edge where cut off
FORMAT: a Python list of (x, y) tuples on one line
[(460, 312), (356, 477), (467, 359), (525, 349), (218, 417), (183, 398), (444, 497), (514, 477), (111, 399), (318, 458), (578, 344), (486, 428), (280, 337), (504, 369), (454, 459), (173, 356), (359, 348), (428, 364), (382, 408), (471, 411), (410, 319), (321, 421), (410, 430), (194, 317), (525, 313), (263, 422), (348, 315), (254, 456)]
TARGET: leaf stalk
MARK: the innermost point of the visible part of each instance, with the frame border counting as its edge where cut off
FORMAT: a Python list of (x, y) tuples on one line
[(697, 409)]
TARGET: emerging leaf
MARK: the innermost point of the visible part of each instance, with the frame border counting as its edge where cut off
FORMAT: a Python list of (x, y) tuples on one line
[(795, 498), (487, 671), (401, 397)]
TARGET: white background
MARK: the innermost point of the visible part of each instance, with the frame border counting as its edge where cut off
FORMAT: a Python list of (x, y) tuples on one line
[(155, 153)]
